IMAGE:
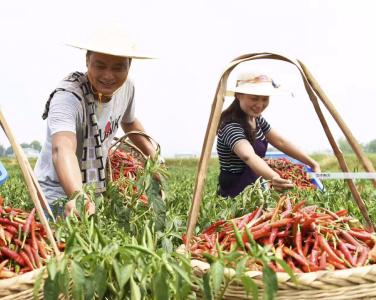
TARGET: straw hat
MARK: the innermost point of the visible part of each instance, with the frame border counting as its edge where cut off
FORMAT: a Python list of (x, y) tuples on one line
[(112, 40), (257, 84)]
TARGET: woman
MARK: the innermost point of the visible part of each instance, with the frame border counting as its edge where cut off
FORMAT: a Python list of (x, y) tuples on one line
[(243, 138)]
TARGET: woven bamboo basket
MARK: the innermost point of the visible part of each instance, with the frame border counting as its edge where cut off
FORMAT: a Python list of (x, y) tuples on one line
[(124, 144), (21, 286), (355, 283)]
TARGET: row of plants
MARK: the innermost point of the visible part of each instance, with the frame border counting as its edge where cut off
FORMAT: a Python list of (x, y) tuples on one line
[(127, 250)]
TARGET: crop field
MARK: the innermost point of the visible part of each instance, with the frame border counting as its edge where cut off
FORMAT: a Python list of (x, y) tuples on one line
[(128, 249)]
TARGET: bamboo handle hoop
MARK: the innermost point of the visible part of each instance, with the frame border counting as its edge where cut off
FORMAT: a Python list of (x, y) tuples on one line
[(314, 91)]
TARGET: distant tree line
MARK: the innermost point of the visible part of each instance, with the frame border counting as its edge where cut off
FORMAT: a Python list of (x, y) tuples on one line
[(342, 143), (9, 151), (346, 148)]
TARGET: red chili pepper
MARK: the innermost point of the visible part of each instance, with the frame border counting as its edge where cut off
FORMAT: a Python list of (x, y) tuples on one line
[(272, 236), (292, 266), (298, 206), (314, 257), (257, 234), (350, 239), (13, 255), (326, 247), (307, 244), (300, 259), (323, 260), (363, 235), (335, 263), (363, 256), (341, 213), (282, 222), (346, 252), (42, 248), (26, 260), (212, 228), (298, 241)]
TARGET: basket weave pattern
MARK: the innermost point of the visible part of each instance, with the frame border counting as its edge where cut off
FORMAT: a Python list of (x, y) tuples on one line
[(356, 283)]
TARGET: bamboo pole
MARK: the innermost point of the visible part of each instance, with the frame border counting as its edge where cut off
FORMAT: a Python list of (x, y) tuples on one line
[(23, 162), (341, 160), (41, 196), (336, 116), (205, 157)]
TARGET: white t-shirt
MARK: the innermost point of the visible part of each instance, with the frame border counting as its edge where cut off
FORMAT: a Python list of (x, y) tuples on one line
[(66, 114)]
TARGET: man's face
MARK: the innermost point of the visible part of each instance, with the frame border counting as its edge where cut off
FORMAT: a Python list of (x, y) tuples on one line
[(107, 72)]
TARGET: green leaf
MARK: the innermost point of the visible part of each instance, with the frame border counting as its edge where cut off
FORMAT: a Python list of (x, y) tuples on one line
[(78, 277), (89, 287), (160, 285), (184, 275), (250, 286), (52, 269), (167, 245), (269, 279), (37, 285), (51, 289), (241, 266), (135, 290), (122, 272), (216, 273), (206, 286), (238, 236), (100, 278), (63, 278)]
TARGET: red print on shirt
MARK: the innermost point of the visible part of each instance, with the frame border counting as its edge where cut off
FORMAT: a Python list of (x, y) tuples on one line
[(107, 130)]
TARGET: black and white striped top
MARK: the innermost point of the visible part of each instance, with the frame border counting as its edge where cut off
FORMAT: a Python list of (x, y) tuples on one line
[(227, 138)]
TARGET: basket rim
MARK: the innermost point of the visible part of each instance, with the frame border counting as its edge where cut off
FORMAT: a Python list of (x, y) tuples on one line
[(26, 278), (324, 279)]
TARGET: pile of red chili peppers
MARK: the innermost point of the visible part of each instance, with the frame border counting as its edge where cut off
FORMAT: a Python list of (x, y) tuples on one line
[(124, 164), (307, 238), (23, 245), (294, 172)]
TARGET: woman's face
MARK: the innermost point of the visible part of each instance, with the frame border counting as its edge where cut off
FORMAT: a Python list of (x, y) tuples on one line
[(106, 72), (252, 105)]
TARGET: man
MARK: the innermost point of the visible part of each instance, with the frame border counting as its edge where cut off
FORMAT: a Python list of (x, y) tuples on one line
[(83, 114)]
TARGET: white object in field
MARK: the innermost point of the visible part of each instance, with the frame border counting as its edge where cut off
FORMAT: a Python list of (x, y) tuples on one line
[(342, 175)]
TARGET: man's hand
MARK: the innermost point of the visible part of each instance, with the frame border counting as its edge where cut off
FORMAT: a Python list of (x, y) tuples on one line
[(71, 206)]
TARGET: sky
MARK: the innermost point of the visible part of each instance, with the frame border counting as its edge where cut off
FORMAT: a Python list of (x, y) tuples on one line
[(194, 41)]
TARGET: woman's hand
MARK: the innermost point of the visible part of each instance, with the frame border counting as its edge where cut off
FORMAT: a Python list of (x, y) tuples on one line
[(316, 168), (281, 184)]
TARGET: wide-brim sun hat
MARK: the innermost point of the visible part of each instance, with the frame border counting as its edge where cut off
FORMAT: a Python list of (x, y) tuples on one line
[(112, 40), (257, 84)]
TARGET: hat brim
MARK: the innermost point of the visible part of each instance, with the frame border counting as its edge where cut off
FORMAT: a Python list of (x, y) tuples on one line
[(110, 51)]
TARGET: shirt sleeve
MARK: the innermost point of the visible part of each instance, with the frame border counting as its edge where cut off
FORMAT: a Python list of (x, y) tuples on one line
[(264, 125), (129, 114), (64, 113), (231, 134)]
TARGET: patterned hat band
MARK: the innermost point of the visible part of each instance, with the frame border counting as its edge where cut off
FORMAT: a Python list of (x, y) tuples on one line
[(256, 84), (256, 80)]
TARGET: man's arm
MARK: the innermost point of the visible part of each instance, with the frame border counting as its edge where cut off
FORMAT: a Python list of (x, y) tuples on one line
[(68, 171), (140, 141), (65, 161)]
